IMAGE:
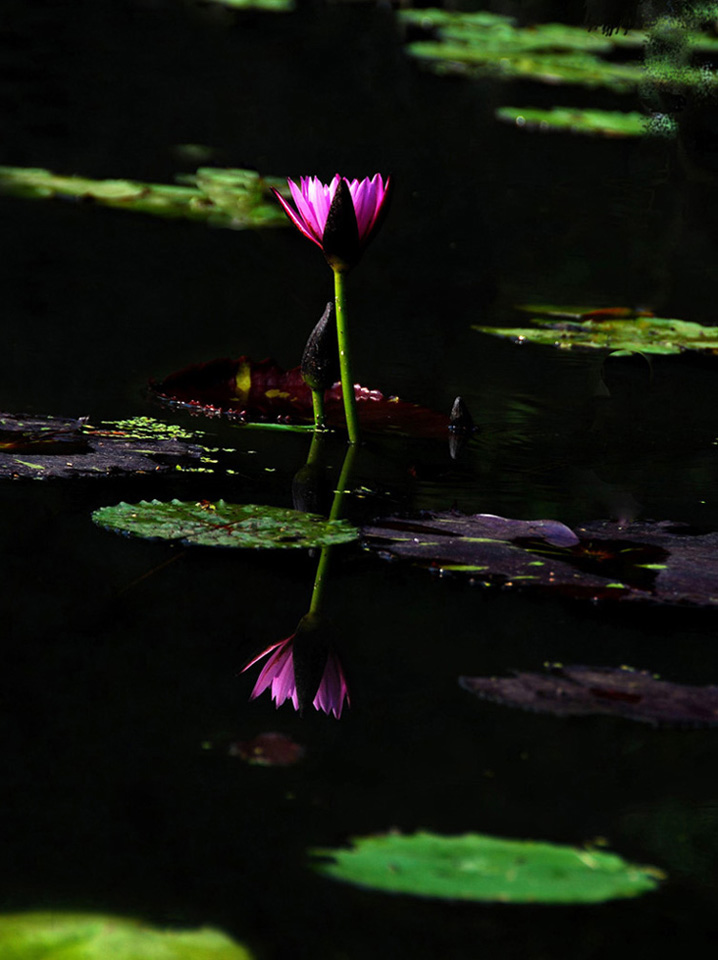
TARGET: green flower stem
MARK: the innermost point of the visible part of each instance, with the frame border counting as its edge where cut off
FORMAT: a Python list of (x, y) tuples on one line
[(322, 566), (345, 365), (318, 405)]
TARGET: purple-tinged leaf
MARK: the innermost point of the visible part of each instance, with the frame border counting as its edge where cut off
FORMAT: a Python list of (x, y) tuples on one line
[(614, 691), (656, 562)]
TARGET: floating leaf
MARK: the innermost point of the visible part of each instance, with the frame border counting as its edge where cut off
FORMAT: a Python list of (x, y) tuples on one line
[(584, 312), (67, 936), (638, 561), (603, 123), (230, 198), (223, 524), (256, 391), (640, 335), (615, 691), (479, 867), (481, 44), (42, 448)]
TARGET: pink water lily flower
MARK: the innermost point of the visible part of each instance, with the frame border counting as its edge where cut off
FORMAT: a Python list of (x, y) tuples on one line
[(320, 217), (279, 674)]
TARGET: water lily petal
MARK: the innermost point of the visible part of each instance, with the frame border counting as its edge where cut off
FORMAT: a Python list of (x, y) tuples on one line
[(333, 688)]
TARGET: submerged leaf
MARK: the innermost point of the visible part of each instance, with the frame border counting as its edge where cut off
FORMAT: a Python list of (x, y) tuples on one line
[(268, 750), (636, 561), (615, 691), (68, 936), (257, 391), (640, 335), (223, 524), (479, 867)]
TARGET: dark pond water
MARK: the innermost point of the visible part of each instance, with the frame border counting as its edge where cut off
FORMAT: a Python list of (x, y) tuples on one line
[(120, 672)]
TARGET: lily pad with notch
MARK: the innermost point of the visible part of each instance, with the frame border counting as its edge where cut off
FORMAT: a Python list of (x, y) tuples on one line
[(261, 393), (43, 448), (570, 691), (650, 562), (484, 868), (221, 524)]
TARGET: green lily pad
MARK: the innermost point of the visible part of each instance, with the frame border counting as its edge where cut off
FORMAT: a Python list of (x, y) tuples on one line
[(639, 335), (602, 123), (223, 524), (67, 936), (229, 198), (485, 44), (480, 867)]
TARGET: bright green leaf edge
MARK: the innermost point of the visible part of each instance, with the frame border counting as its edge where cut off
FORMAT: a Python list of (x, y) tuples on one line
[(480, 867), (654, 335), (221, 524), (66, 936)]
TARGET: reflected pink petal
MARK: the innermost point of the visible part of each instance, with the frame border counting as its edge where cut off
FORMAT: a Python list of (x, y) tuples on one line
[(278, 674), (333, 689)]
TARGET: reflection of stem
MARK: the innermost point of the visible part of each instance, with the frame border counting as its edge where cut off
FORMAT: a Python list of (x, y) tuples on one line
[(322, 566), (318, 405), (345, 365), (315, 448)]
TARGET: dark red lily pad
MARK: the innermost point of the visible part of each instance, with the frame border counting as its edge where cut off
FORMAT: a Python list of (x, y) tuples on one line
[(665, 563), (569, 691), (43, 448), (261, 391)]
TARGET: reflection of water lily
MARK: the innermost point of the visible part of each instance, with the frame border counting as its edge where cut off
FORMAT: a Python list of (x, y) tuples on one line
[(327, 220), (304, 669)]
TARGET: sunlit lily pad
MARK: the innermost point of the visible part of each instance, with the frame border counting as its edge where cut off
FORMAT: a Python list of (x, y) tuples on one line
[(43, 448), (478, 44), (68, 936), (615, 691), (223, 524), (479, 867), (638, 561), (481, 44), (641, 335), (229, 198), (603, 123), (261, 392)]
